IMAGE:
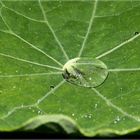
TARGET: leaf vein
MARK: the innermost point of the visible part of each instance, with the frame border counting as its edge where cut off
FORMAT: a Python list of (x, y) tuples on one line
[(115, 106), (51, 29), (89, 28)]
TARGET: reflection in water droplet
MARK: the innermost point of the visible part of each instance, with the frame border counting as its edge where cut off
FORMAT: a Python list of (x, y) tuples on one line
[(86, 72)]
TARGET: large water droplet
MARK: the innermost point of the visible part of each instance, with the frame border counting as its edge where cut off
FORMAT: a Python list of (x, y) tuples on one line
[(86, 72)]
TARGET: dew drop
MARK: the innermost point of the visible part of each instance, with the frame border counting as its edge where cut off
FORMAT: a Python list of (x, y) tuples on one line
[(39, 112), (90, 78), (90, 116), (136, 33), (14, 87), (73, 114), (121, 89), (96, 105), (86, 72), (115, 121), (51, 86), (118, 118), (86, 116)]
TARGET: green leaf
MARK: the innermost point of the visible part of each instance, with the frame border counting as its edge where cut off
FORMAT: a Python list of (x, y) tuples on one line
[(37, 38)]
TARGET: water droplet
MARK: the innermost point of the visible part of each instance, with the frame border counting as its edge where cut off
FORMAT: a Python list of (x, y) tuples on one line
[(96, 105), (30, 8), (16, 71), (86, 116), (73, 114), (33, 110), (120, 89), (90, 78), (39, 112), (14, 87), (136, 33), (86, 72), (90, 116), (118, 118), (123, 118), (52, 86)]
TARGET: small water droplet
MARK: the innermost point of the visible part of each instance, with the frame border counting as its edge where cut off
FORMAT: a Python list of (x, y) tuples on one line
[(96, 105), (120, 89), (30, 108), (90, 116), (39, 112), (85, 85), (30, 8), (16, 71), (73, 114), (14, 87), (52, 86), (90, 78), (123, 118), (136, 33), (33, 110), (118, 118), (86, 116)]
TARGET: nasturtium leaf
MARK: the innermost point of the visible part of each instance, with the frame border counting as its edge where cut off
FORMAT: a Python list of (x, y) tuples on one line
[(38, 39)]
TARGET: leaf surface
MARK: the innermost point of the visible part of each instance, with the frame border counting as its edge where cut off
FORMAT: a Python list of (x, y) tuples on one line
[(38, 37)]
